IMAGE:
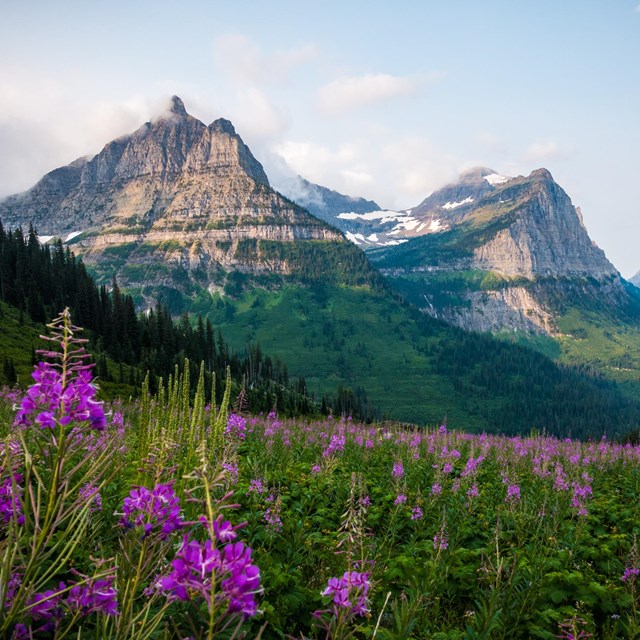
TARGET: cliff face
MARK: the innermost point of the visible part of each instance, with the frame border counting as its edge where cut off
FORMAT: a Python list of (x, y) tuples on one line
[(506, 244), (174, 193)]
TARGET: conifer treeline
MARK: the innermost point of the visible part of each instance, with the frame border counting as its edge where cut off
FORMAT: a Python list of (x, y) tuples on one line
[(40, 280)]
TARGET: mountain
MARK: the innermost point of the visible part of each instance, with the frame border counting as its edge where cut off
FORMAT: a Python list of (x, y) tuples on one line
[(183, 213), (513, 254), (636, 279), (173, 204), (362, 221)]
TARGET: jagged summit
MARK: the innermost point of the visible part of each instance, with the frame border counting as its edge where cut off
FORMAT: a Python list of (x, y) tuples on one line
[(177, 106), (222, 125), (142, 175), (195, 190)]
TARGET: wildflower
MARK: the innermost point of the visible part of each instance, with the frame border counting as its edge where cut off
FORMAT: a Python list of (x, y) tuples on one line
[(336, 443), (89, 493), (365, 501), (398, 470), (316, 468), (14, 582), (436, 489), (10, 499), (352, 587), (94, 596), (157, 509), (48, 402), (47, 606), (223, 530), (473, 492), (256, 486), (513, 494), (440, 541), (630, 574), (236, 426), (232, 471), (273, 520), (195, 566), (416, 513), (401, 499)]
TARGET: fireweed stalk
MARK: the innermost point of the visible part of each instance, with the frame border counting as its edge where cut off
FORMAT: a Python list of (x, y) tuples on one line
[(56, 418)]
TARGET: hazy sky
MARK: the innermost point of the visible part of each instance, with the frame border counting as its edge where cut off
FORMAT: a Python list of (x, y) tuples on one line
[(385, 100)]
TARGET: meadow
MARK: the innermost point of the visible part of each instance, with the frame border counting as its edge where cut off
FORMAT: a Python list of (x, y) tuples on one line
[(168, 518)]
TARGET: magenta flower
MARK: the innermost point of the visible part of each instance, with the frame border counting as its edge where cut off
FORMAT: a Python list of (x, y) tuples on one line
[(195, 566), (630, 574), (398, 470), (89, 493), (157, 510), (48, 402), (352, 587), (11, 499), (401, 499), (95, 596), (416, 513), (236, 426), (513, 493)]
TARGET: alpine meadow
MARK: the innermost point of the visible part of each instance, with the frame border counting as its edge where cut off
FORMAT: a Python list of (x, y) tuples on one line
[(236, 402)]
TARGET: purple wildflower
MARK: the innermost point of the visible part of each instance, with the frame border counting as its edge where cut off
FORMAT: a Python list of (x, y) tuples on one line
[(195, 565), (630, 574), (256, 486), (94, 596), (336, 443), (352, 588), (513, 493), (416, 513), (236, 426), (273, 520), (10, 499), (89, 493), (436, 488), (440, 541), (48, 402), (47, 606), (232, 471), (401, 499), (158, 509), (398, 470)]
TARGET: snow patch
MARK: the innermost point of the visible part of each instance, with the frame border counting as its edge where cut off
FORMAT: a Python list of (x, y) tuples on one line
[(496, 178), (392, 243), (373, 238), (356, 238), (382, 216), (436, 225), (45, 239), (72, 235), (455, 205)]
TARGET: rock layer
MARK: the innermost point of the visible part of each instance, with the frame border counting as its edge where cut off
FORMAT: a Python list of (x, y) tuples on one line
[(175, 192)]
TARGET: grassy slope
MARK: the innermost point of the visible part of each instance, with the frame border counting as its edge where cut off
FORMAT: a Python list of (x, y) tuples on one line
[(345, 335), (17, 339)]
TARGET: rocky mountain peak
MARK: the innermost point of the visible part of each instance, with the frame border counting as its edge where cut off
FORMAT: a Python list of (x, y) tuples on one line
[(541, 175), (222, 125), (177, 107)]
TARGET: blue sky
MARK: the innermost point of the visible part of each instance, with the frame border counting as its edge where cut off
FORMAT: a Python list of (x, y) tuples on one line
[(386, 100)]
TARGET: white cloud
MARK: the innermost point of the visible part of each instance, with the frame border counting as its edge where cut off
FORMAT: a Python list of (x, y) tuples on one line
[(45, 124), (244, 61), (351, 93), (256, 117), (545, 150), (396, 172)]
